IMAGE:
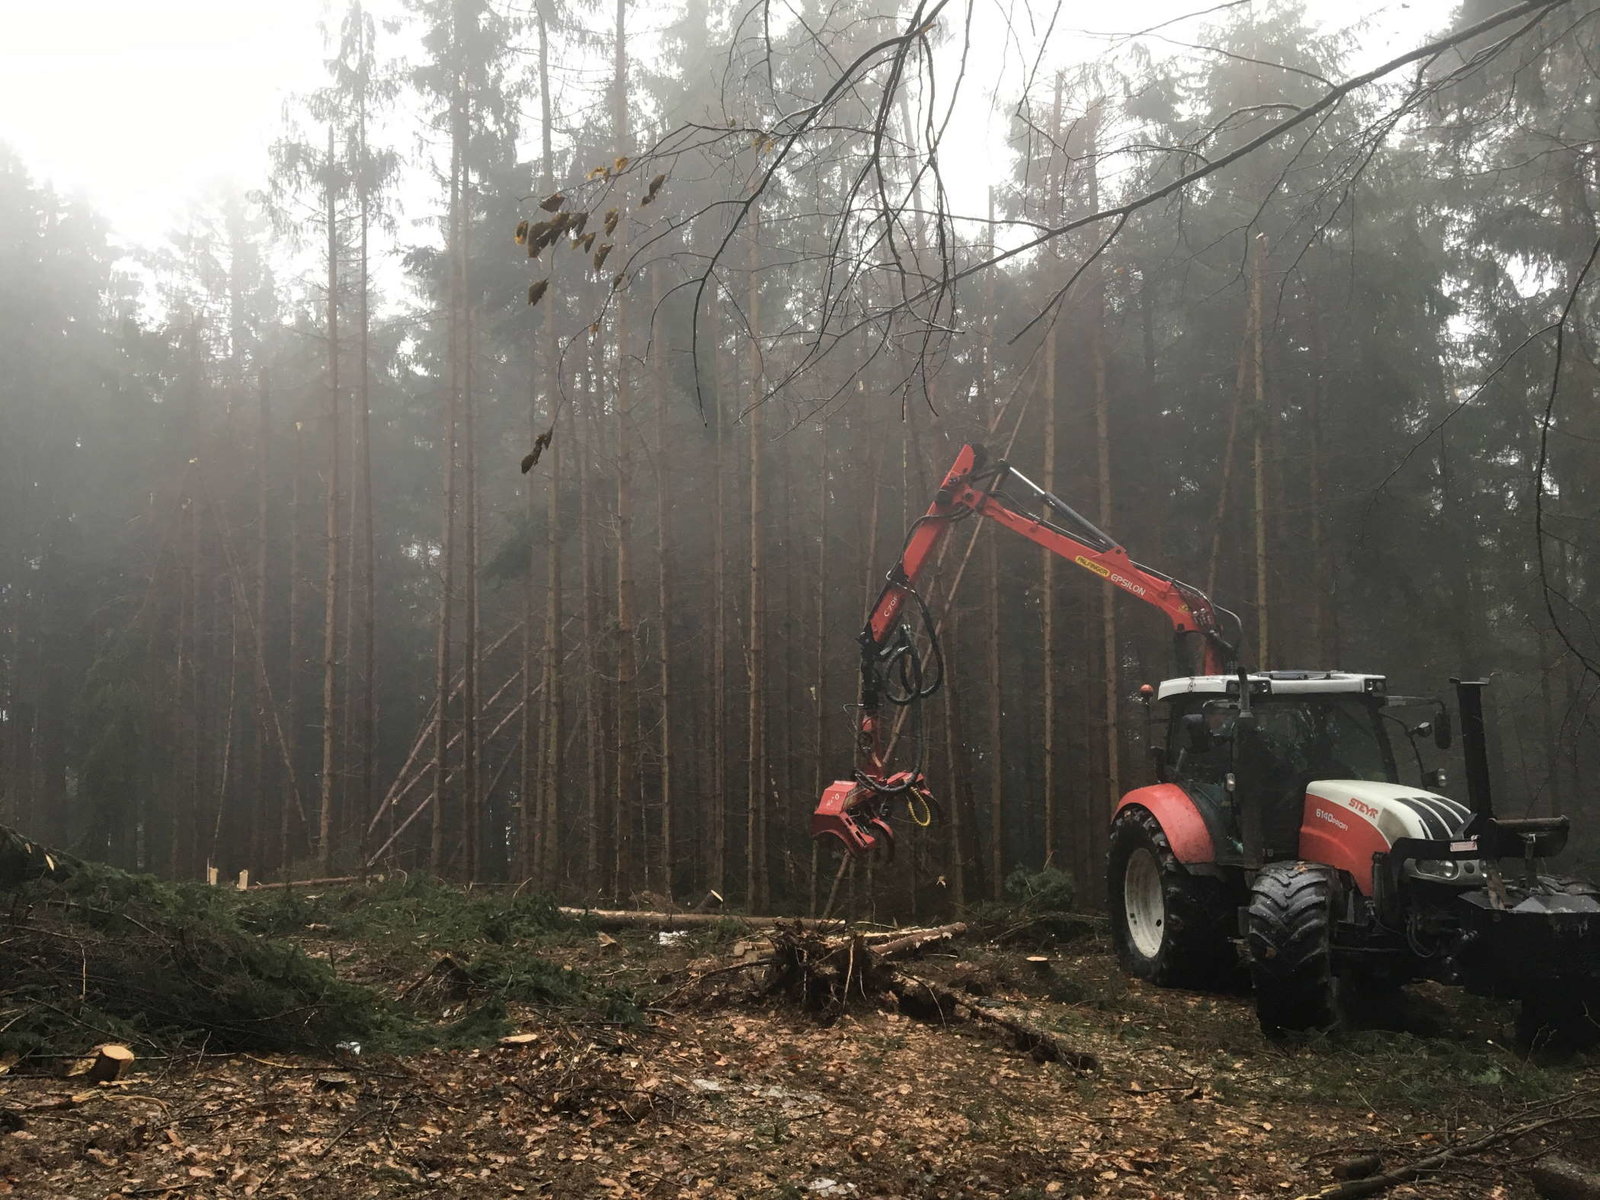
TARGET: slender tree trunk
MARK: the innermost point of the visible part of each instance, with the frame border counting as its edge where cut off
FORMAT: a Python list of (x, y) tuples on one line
[(442, 646), (471, 748), (1047, 593), (718, 865), (1230, 453), (330, 598), (819, 671), (1257, 355), (1093, 835), (369, 574), (625, 799), (550, 718), (1324, 636), (663, 594), (531, 748), (594, 878), (755, 644), (264, 768), (296, 651)]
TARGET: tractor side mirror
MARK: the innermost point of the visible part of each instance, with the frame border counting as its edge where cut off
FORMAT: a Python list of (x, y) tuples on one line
[(1441, 729)]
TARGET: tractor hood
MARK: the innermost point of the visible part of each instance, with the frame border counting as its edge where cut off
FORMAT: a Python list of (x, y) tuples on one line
[(1396, 810), (1347, 821)]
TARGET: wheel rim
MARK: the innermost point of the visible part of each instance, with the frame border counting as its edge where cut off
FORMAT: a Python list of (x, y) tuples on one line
[(1143, 905)]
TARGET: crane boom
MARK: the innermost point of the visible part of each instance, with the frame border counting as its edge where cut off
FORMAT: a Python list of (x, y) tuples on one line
[(892, 669)]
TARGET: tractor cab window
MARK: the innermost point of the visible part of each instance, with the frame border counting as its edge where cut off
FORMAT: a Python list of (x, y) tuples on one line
[(1327, 737), (1293, 739)]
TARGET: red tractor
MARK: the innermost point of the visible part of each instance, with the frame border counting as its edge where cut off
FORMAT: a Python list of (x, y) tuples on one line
[(1279, 823)]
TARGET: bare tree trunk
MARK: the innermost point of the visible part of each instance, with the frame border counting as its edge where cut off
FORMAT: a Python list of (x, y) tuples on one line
[(442, 646), (624, 864), (542, 368), (1229, 455), (819, 671), (369, 574), (717, 872), (264, 768), (663, 594), (330, 598), (530, 766), (471, 748), (296, 650), (991, 408), (1093, 834), (590, 586), (550, 717), (1047, 595), (755, 645), (1258, 365)]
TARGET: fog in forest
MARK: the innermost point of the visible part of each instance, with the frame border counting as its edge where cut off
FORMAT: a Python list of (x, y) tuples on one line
[(1298, 303)]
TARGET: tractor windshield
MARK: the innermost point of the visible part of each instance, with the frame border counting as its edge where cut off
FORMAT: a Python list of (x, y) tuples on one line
[(1338, 736), (1326, 737)]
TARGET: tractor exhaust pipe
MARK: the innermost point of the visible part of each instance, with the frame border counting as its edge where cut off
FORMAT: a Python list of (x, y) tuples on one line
[(1475, 745)]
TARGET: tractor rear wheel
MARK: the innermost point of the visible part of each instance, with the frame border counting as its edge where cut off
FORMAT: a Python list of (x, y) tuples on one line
[(1289, 934), (1167, 925)]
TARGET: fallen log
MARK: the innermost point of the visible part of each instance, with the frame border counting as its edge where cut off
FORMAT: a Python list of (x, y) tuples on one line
[(915, 996), (641, 918), (1373, 1185), (329, 882), (629, 918), (907, 944), (1557, 1178)]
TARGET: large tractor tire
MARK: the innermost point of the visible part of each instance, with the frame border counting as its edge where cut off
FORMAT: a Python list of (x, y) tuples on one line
[(1167, 925), (1289, 936)]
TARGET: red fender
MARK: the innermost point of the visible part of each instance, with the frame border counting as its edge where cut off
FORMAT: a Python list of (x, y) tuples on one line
[(1342, 838), (1186, 830)]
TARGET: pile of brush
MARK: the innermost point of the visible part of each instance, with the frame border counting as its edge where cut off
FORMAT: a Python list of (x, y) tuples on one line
[(830, 973)]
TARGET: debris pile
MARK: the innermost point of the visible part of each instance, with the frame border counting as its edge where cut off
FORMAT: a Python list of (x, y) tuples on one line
[(89, 953)]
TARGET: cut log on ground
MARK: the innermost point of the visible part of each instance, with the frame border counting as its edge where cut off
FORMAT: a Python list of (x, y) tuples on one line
[(1377, 1184), (610, 918), (332, 881), (916, 995), (905, 945), (1557, 1178)]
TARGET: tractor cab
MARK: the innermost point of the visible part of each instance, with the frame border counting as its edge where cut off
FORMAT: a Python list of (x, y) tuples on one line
[(1249, 768)]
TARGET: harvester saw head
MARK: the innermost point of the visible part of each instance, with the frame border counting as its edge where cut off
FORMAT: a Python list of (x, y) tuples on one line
[(856, 811)]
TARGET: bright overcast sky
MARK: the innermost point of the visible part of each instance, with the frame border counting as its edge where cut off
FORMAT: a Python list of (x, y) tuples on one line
[(141, 105)]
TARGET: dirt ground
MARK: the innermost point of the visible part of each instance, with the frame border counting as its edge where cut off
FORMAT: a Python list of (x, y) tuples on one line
[(717, 1093)]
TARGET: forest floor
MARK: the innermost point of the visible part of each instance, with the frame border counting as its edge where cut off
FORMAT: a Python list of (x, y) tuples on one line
[(707, 1089)]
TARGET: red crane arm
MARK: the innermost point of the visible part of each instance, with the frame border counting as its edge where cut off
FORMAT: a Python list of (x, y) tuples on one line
[(967, 487), (1188, 608), (850, 810), (921, 545)]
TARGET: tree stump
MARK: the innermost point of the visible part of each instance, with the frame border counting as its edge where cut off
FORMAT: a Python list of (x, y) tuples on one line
[(111, 1062)]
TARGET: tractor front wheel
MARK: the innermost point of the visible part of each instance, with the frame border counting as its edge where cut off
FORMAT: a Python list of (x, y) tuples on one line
[(1168, 926), (1289, 934)]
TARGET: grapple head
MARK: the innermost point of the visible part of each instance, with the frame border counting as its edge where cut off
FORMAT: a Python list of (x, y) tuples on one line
[(856, 812)]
